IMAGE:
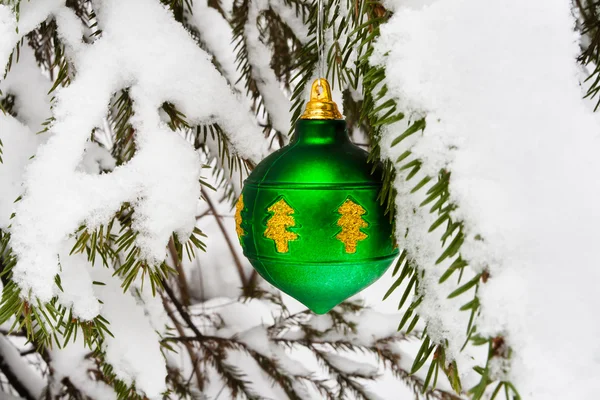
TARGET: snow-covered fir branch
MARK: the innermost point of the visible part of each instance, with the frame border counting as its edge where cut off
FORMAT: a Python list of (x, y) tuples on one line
[(127, 128)]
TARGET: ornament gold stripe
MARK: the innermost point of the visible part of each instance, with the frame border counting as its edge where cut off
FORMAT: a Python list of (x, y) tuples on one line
[(319, 186), (284, 260)]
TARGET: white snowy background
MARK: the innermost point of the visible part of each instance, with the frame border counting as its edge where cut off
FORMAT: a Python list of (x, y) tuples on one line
[(502, 95)]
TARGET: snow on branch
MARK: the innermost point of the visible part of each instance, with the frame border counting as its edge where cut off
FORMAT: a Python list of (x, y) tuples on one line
[(290, 16), (215, 34), (31, 14), (30, 90), (507, 126), (72, 184), (275, 101), (22, 376), (72, 362), (19, 144), (162, 179), (8, 33)]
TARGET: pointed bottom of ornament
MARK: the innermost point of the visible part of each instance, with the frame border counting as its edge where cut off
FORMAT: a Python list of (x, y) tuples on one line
[(321, 287)]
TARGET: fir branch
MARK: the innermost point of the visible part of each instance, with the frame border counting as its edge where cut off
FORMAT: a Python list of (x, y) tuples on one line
[(181, 277), (7, 107), (589, 18), (305, 67), (293, 65), (270, 21), (121, 111), (178, 7), (380, 110), (13, 58), (225, 162), (200, 378), (10, 372), (236, 259), (316, 342)]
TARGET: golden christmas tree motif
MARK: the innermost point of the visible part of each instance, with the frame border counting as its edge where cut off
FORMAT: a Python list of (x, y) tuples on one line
[(239, 206), (277, 225), (351, 222)]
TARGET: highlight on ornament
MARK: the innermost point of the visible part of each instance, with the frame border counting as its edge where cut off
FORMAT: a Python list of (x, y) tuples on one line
[(309, 220)]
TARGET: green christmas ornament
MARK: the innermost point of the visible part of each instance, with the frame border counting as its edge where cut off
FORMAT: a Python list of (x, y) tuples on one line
[(308, 218)]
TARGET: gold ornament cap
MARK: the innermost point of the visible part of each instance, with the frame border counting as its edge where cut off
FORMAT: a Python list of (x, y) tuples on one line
[(321, 104)]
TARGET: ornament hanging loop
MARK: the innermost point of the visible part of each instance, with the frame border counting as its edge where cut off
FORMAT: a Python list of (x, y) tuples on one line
[(321, 104), (320, 42)]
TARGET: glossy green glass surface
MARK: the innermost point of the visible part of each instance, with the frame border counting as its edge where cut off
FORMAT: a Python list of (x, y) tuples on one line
[(315, 174)]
